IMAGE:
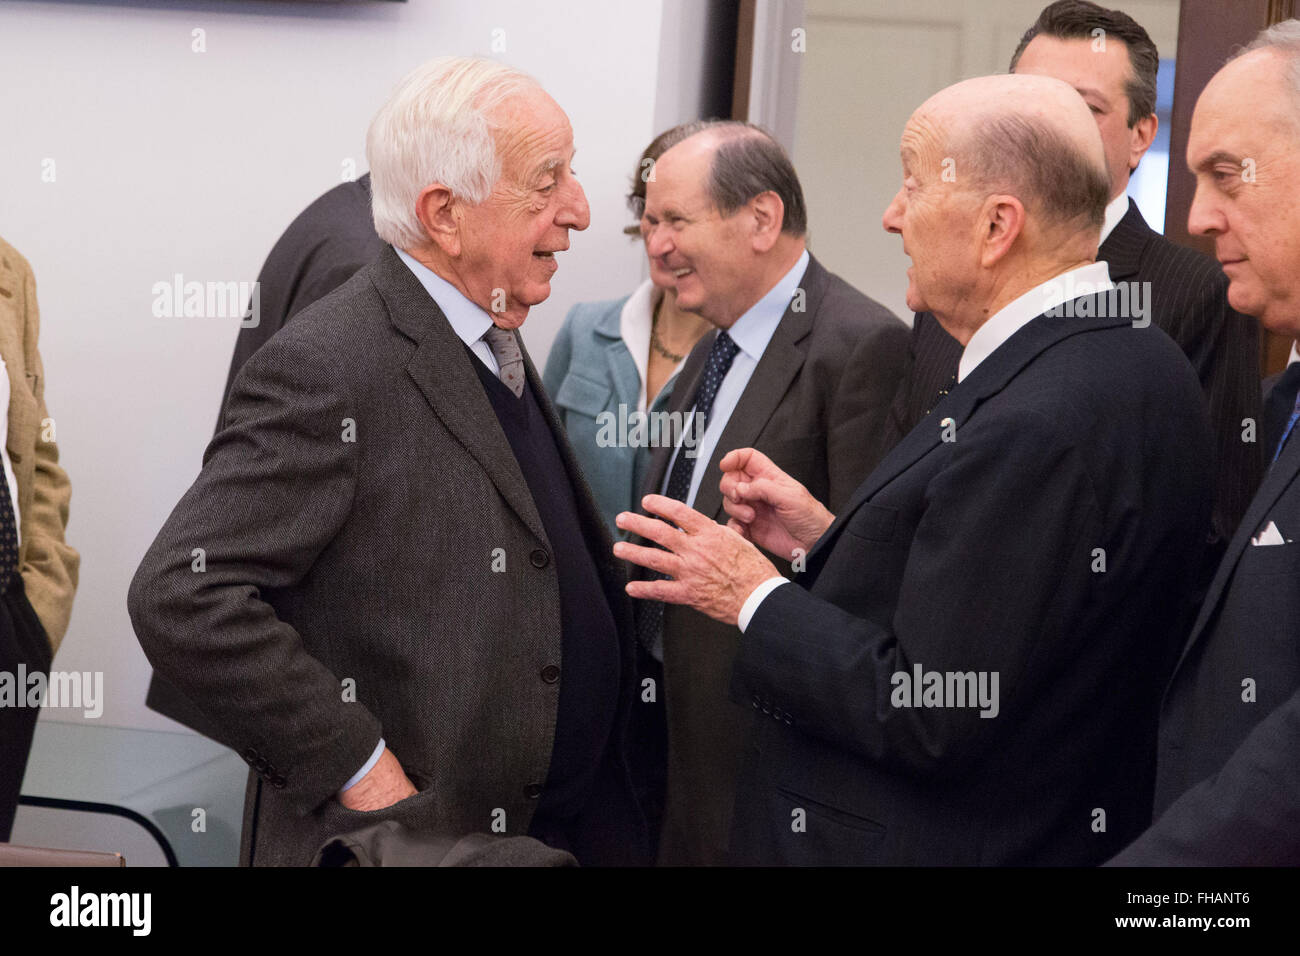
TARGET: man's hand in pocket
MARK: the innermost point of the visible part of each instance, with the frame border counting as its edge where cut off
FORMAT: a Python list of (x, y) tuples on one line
[(384, 785)]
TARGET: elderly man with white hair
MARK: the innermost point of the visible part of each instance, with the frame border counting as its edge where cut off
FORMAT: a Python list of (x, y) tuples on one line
[(389, 587), (1228, 780), (966, 670)]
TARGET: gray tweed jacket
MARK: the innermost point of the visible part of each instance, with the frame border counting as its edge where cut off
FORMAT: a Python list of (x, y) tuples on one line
[(333, 576)]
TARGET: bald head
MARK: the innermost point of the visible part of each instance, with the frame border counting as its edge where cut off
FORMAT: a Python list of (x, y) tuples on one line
[(1004, 188), (1031, 137)]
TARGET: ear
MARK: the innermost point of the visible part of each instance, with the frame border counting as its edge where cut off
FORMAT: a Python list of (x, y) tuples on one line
[(436, 208), (1001, 221), (1141, 136), (768, 217)]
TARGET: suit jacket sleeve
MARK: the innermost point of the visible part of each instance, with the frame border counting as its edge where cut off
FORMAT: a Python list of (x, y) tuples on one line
[(1034, 519), (277, 485), (50, 566), (1248, 814), (860, 411)]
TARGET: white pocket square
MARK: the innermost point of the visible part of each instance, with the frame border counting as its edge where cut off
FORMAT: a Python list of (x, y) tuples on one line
[(1270, 535)]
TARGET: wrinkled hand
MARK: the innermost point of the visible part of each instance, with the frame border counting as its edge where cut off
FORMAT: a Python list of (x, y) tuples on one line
[(713, 569), (385, 784), (768, 507)]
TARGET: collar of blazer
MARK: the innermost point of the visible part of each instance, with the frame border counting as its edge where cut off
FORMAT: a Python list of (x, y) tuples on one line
[(781, 361), (440, 368), (1122, 250), (990, 377), (1280, 476), (623, 369)]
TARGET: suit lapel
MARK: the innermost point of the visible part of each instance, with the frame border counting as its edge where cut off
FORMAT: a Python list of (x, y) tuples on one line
[(1279, 477), (622, 371), (776, 369), (441, 370), (989, 378), (1122, 250)]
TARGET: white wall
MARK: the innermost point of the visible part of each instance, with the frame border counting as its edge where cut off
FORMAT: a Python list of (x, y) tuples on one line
[(168, 160)]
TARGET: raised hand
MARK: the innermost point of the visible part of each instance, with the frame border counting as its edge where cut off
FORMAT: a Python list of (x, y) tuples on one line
[(712, 568), (769, 507)]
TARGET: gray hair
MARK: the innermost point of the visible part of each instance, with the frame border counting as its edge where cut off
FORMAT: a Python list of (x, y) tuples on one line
[(1284, 39), (1034, 162), (437, 128), (747, 163)]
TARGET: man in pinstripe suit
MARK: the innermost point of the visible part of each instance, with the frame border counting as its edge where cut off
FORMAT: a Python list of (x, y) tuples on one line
[(1187, 291)]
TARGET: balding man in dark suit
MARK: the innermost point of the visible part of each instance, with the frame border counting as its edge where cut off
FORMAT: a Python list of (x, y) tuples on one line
[(1182, 292)]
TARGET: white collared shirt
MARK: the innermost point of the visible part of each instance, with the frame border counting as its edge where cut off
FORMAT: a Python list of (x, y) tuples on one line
[(1116, 209), (468, 320), (1008, 320), (751, 332)]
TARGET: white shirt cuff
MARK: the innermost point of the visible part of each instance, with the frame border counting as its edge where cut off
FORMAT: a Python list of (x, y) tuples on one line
[(366, 767), (756, 598)]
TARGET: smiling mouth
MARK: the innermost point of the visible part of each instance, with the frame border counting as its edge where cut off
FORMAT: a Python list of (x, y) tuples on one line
[(543, 255), (678, 273)]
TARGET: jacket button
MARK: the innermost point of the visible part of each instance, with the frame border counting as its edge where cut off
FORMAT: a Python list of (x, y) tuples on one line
[(539, 558), (754, 701), (550, 673), (260, 764), (250, 754), (533, 791), (278, 782)]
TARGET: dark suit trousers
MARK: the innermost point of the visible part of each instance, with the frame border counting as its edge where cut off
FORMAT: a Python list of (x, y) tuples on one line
[(22, 641)]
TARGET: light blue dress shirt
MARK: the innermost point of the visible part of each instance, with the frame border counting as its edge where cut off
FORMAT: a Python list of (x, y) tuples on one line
[(751, 332), (468, 320)]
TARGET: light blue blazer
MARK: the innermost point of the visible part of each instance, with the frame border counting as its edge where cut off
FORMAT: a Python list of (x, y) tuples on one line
[(589, 372)]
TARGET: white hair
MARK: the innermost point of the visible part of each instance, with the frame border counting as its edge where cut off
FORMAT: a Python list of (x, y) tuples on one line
[(1282, 38), (435, 128)]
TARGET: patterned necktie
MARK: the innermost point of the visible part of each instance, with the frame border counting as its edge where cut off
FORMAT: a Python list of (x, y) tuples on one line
[(8, 536), (651, 619), (943, 392), (510, 358)]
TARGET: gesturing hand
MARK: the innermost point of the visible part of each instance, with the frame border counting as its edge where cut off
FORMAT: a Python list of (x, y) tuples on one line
[(769, 507), (713, 569)]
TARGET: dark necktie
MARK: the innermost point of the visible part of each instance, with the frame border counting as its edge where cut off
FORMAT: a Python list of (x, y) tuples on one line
[(1276, 405), (8, 536), (650, 620), (952, 383)]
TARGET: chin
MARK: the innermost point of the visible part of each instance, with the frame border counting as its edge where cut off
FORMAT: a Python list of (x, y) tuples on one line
[(1245, 301)]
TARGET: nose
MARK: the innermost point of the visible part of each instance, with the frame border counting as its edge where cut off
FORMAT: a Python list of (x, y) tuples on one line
[(1204, 218), (574, 212), (658, 241), (892, 220)]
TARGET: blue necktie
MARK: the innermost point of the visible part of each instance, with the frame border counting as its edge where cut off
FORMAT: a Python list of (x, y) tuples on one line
[(1295, 414), (650, 621)]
